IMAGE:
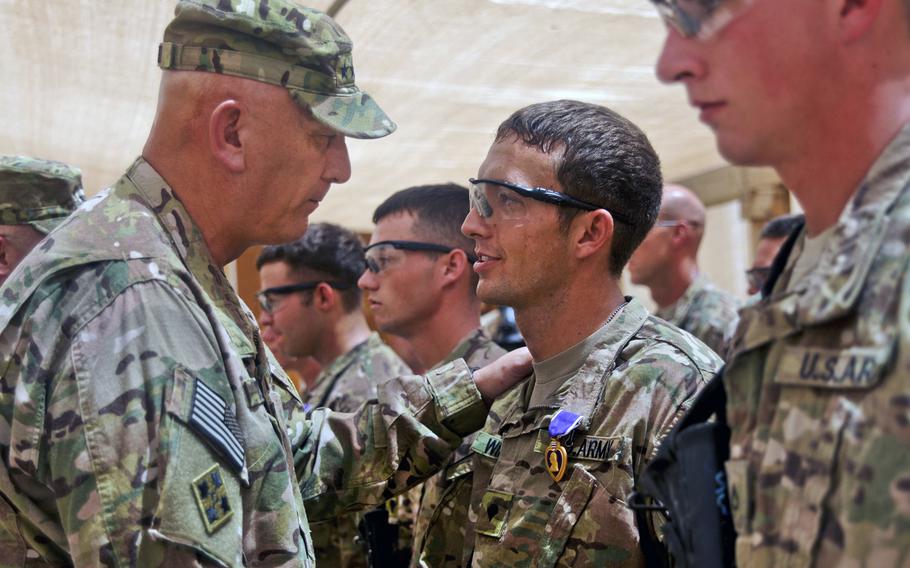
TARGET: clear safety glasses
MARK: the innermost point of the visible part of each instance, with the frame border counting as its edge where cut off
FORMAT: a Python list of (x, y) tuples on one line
[(701, 19), (271, 297), (502, 200), (386, 254)]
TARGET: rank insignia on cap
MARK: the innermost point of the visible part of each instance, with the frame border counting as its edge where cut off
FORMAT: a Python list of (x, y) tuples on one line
[(212, 498)]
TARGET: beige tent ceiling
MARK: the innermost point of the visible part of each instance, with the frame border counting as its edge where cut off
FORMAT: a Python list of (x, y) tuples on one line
[(80, 83)]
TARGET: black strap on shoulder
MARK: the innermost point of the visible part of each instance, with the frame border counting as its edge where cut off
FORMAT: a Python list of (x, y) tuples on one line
[(780, 260)]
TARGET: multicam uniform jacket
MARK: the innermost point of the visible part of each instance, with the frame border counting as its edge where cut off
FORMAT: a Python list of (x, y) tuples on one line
[(818, 394), (348, 382), (442, 516), (630, 391), (142, 422), (706, 312)]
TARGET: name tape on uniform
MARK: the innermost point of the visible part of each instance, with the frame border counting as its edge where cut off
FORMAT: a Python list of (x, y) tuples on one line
[(854, 368), (593, 448)]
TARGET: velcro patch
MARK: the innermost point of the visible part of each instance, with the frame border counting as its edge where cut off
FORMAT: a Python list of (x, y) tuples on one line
[(593, 448), (487, 445), (215, 422), (212, 499), (852, 368)]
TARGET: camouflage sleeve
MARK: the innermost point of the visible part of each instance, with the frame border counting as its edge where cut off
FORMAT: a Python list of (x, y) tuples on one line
[(349, 461), (120, 463)]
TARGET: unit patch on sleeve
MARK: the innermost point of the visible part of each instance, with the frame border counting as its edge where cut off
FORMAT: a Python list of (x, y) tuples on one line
[(212, 499)]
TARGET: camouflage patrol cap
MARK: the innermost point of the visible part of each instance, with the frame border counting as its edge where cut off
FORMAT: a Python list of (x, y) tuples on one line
[(40, 193), (281, 43)]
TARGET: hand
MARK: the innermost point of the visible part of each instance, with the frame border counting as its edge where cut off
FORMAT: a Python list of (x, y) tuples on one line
[(502, 374)]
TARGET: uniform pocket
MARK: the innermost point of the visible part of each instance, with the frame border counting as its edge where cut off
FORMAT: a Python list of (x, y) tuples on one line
[(199, 503), (569, 508)]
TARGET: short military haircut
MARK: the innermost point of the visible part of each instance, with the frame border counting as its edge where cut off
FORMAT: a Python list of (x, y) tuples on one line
[(605, 160), (782, 227), (438, 210), (332, 252)]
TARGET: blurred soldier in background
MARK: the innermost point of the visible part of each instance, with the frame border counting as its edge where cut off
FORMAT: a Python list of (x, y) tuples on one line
[(35, 196), (667, 263), (773, 236), (310, 300), (420, 284), (818, 380)]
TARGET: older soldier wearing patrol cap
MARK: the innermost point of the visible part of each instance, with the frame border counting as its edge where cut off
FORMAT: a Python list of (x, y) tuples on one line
[(35, 196), (818, 383), (552, 479), (143, 420)]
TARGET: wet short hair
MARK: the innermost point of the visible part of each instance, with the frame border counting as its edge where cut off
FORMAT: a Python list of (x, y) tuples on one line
[(782, 226), (438, 210), (605, 160), (331, 251)]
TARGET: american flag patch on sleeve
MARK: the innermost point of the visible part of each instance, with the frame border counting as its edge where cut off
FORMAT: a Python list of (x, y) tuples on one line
[(215, 422)]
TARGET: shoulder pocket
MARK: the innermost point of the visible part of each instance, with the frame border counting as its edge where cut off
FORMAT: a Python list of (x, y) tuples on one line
[(199, 504), (209, 415)]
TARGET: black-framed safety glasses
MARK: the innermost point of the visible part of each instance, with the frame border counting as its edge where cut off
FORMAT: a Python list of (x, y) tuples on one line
[(488, 199), (268, 298), (378, 259)]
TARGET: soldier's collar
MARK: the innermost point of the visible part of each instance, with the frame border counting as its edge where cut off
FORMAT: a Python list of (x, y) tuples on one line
[(582, 393)]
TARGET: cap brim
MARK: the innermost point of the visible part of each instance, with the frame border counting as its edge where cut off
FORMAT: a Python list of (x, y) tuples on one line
[(356, 115), (46, 225)]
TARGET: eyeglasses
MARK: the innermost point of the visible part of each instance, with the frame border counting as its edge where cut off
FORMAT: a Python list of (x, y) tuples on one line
[(488, 198), (701, 19), (381, 256), (269, 298), (758, 276)]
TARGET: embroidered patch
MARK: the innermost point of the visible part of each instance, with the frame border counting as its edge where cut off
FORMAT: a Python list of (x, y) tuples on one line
[(212, 418), (212, 499), (487, 445), (853, 368), (593, 448)]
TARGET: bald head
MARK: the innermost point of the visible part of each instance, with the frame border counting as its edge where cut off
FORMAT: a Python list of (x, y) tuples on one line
[(679, 203)]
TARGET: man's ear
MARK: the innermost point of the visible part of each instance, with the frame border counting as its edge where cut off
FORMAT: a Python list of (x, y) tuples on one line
[(592, 232), (5, 266), (857, 17), (325, 297), (224, 135), (456, 263)]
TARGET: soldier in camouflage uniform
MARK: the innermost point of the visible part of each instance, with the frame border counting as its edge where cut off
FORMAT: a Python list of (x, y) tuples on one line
[(666, 262), (311, 300), (428, 297), (551, 481), (818, 380), (143, 421), (35, 196)]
